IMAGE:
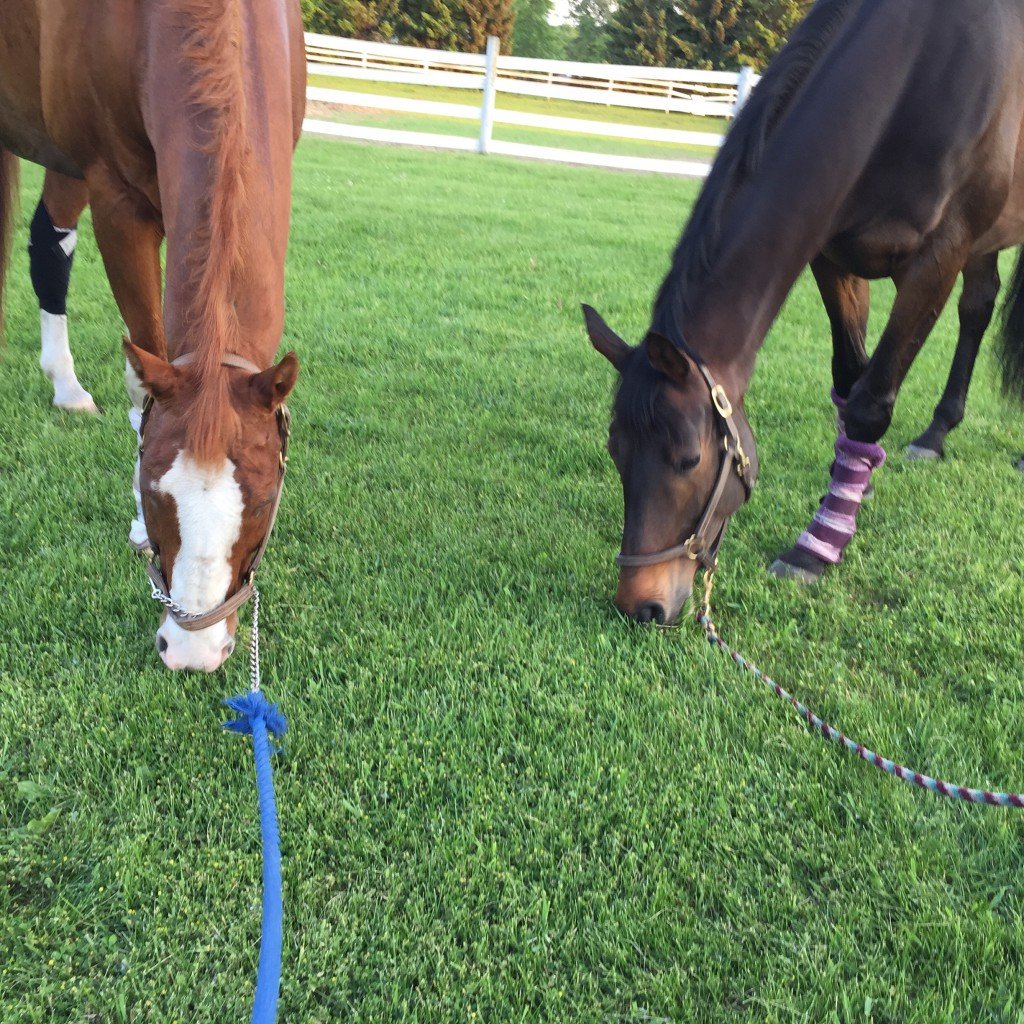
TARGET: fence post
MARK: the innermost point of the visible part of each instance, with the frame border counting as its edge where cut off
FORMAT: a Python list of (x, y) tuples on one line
[(744, 86), (490, 88)]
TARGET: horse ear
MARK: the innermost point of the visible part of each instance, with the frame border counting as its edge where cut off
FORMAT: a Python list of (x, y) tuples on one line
[(604, 339), (271, 387), (159, 378), (668, 358)]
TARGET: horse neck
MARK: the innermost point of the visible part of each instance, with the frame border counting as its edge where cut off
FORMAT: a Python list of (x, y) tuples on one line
[(224, 142), (777, 218)]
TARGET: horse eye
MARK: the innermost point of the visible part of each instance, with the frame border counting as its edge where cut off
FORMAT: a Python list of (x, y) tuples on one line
[(684, 465)]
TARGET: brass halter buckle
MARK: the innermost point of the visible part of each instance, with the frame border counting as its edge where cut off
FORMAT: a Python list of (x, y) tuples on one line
[(721, 401), (690, 548)]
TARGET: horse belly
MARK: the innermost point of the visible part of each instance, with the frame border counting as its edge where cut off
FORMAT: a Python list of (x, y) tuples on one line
[(30, 143), (1008, 230), (877, 250), (23, 128)]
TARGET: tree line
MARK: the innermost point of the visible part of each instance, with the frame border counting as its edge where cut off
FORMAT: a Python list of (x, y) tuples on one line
[(704, 34)]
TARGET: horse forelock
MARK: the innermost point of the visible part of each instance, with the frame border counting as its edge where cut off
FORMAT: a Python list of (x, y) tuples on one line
[(214, 51), (741, 156), (639, 403)]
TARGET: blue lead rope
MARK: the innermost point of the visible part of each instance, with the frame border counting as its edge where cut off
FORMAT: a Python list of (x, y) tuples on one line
[(257, 717)]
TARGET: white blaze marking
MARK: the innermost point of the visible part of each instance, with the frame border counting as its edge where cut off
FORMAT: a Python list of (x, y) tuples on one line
[(209, 504), (56, 362)]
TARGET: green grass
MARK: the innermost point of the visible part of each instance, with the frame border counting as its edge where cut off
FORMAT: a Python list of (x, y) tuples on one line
[(499, 801)]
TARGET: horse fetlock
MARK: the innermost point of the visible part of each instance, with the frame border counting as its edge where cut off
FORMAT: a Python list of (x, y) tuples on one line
[(56, 361), (867, 417), (930, 445)]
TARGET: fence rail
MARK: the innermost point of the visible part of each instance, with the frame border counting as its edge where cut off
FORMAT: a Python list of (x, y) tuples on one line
[(664, 89), (674, 90)]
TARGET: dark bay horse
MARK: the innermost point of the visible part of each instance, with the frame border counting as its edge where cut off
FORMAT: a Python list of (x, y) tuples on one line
[(887, 137), (181, 117)]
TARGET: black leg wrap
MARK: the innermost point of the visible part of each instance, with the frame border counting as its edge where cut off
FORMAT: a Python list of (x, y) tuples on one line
[(51, 251)]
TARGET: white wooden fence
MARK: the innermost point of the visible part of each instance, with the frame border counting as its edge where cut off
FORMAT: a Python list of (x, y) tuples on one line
[(710, 93)]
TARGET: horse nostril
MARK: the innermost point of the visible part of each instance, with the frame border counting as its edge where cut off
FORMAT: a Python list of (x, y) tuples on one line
[(161, 644), (228, 648), (650, 612)]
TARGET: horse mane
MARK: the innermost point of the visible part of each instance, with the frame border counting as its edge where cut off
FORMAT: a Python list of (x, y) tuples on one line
[(740, 158), (214, 53)]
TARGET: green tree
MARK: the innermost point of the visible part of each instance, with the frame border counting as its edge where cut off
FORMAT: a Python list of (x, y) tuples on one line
[(641, 32), (704, 34), (361, 19), (720, 34), (456, 24), (707, 37), (765, 27), (590, 39), (485, 18), (535, 36), (438, 24)]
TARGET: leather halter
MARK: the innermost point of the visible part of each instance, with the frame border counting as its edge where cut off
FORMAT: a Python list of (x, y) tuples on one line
[(700, 546), (195, 621)]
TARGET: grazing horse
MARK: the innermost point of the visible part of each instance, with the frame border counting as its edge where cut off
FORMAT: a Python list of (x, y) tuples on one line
[(887, 137), (181, 118)]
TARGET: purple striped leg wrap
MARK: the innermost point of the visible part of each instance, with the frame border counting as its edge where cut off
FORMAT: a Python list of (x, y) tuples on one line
[(835, 522)]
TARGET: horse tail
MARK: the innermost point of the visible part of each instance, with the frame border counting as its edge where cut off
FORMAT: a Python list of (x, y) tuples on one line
[(8, 206), (1011, 352)]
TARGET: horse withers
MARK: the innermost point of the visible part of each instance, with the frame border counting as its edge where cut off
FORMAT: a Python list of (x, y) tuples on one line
[(181, 118), (887, 138)]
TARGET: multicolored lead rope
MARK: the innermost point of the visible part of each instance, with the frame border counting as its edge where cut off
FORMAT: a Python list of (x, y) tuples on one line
[(912, 778)]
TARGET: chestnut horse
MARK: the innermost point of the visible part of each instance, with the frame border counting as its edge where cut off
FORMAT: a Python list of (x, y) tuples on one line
[(181, 117), (888, 136)]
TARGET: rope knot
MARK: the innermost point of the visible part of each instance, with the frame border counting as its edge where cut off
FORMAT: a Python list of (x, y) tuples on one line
[(253, 707)]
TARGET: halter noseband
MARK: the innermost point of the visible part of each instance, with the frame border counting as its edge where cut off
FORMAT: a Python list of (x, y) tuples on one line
[(195, 621), (700, 546)]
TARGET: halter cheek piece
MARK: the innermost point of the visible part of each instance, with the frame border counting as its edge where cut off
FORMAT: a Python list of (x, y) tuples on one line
[(700, 546), (194, 621)]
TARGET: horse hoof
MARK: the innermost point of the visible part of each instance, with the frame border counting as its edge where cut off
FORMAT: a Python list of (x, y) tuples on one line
[(917, 453), (82, 403), (785, 571)]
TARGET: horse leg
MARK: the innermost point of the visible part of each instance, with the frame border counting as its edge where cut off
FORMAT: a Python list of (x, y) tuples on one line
[(51, 250), (923, 286), (846, 298), (977, 303), (129, 234)]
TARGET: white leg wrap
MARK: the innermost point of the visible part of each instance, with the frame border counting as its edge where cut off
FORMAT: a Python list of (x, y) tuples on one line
[(57, 363)]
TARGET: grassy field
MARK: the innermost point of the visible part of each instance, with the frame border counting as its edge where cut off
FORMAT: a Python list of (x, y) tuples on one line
[(511, 133), (499, 801)]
